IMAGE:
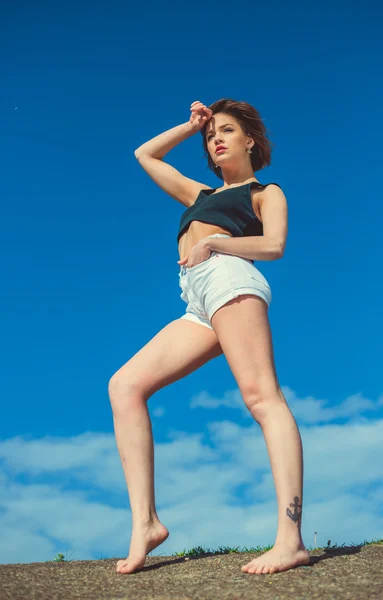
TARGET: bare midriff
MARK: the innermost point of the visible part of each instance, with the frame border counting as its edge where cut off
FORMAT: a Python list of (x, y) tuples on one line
[(196, 231)]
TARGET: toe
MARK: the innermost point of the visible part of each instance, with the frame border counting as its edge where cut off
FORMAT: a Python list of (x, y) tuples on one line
[(120, 565), (266, 569), (273, 569)]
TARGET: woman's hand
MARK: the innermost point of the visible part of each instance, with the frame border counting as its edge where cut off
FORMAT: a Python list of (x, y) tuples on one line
[(197, 254), (200, 115)]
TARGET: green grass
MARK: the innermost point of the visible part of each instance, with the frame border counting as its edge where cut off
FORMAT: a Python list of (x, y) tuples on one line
[(200, 551)]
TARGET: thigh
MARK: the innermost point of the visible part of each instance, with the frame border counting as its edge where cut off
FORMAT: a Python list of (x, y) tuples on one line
[(178, 349), (243, 330)]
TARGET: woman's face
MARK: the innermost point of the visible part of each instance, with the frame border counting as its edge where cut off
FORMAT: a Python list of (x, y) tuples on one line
[(224, 130)]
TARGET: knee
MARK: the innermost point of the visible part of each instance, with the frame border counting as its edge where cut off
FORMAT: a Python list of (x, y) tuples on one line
[(122, 391), (260, 401)]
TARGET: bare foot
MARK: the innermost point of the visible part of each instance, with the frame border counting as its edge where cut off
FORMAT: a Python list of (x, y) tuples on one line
[(144, 540), (279, 558)]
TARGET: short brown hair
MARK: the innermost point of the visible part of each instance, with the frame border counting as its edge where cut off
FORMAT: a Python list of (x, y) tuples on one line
[(251, 123)]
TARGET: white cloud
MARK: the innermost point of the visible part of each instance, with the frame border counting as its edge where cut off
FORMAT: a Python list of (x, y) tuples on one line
[(230, 399), (213, 489), (305, 410)]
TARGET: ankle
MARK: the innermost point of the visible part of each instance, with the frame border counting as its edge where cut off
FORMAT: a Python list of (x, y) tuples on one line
[(290, 543), (146, 521)]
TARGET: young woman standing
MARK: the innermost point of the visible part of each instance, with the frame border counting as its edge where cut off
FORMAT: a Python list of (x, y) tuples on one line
[(222, 231)]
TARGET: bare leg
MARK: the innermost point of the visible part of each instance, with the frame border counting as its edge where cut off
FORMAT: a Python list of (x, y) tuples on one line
[(284, 446), (177, 350), (134, 438), (243, 330)]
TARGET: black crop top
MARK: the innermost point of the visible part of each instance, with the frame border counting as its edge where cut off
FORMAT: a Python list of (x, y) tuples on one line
[(230, 209)]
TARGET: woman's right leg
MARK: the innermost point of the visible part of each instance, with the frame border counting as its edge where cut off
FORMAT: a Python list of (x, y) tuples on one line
[(176, 351)]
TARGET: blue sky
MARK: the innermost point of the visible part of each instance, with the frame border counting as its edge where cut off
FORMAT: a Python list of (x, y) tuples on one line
[(89, 270)]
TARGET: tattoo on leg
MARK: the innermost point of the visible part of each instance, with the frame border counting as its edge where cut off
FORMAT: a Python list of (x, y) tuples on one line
[(296, 514)]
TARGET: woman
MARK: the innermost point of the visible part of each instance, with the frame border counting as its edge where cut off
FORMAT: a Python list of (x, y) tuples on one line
[(222, 231)]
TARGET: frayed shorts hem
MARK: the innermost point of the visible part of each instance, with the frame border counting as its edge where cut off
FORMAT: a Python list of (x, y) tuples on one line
[(230, 295), (195, 319), (219, 302)]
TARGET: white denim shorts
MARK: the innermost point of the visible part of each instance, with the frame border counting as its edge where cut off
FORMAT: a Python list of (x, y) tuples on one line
[(213, 282)]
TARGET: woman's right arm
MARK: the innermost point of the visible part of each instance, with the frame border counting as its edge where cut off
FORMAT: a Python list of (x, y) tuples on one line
[(150, 156), (170, 180), (163, 143)]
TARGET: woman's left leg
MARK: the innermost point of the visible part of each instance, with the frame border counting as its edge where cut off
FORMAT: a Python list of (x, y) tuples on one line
[(243, 331)]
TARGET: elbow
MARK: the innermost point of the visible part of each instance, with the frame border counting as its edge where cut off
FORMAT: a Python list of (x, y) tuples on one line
[(138, 153), (281, 247), (277, 249)]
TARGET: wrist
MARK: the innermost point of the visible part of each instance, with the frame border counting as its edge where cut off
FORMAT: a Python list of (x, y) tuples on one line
[(207, 243), (192, 129)]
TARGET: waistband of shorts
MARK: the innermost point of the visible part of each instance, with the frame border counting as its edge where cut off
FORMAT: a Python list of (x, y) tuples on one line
[(183, 268)]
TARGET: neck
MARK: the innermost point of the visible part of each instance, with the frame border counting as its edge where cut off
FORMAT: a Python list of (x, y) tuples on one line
[(229, 182), (235, 175)]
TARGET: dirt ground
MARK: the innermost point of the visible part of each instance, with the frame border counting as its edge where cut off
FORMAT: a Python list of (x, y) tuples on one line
[(346, 573)]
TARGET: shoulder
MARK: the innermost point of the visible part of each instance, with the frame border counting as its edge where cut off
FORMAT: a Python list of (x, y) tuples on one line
[(260, 194)]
